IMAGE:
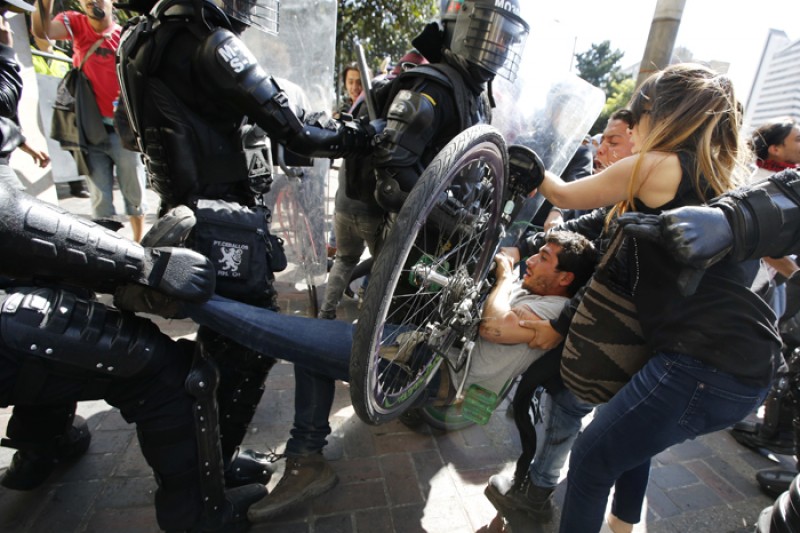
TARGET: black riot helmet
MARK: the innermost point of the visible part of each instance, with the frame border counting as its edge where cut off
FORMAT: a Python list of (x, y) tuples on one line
[(261, 14), (488, 33)]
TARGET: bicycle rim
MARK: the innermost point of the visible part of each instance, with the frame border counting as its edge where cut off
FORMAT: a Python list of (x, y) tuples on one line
[(438, 252)]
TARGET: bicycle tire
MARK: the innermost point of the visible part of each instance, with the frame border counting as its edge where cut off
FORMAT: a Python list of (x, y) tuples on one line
[(449, 225)]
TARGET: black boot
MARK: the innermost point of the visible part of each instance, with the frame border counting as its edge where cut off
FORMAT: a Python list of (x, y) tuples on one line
[(754, 436), (32, 465), (506, 495), (775, 481), (248, 466), (233, 519)]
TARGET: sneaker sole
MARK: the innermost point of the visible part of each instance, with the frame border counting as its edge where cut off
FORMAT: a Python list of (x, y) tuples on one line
[(504, 506), (258, 515)]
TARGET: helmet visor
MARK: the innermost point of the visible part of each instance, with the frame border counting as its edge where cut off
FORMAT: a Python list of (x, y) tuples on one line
[(261, 14), (490, 38)]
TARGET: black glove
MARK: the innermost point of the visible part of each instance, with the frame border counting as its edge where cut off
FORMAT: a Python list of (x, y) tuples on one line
[(525, 169), (178, 272), (697, 236)]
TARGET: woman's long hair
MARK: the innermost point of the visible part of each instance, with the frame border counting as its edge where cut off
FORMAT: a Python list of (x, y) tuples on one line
[(692, 109)]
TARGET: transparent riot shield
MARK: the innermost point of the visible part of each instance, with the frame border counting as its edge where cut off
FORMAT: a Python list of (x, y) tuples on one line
[(301, 58)]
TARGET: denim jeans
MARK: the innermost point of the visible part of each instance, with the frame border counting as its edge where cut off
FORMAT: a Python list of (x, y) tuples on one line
[(673, 398), (102, 159), (320, 350), (352, 232), (562, 424), (320, 346)]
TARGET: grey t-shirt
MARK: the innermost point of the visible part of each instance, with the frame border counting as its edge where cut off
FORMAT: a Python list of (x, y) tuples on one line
[(493, 365)]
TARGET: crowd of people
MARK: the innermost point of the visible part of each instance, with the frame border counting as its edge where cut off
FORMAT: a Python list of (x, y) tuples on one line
[(668, 167)]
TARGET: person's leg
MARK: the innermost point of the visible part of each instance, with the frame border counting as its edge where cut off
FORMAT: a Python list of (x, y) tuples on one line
[(307, 473), (131, 176), (534, 495), (319, 345), (629, 491), (673, 398), (562, 424), (44, 436), (372, 230), (101, 181), (349, 247)]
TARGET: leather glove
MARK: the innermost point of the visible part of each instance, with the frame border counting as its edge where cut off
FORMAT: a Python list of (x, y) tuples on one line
[(697, 236)]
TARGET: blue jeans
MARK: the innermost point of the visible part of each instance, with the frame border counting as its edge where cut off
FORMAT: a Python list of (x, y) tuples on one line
[(562, 424), (320, 350), (319, 346), (673, 398), (102, 159)]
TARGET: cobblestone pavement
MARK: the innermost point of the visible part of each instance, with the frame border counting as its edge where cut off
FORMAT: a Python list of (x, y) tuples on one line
[(392, 479)]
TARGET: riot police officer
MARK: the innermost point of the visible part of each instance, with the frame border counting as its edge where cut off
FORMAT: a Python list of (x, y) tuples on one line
[(199, 105)]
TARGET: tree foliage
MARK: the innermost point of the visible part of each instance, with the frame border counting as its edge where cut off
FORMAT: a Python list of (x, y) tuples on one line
[(385, 27), (600, 66)]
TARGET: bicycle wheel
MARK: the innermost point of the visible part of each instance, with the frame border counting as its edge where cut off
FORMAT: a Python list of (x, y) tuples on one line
[(422, 301)]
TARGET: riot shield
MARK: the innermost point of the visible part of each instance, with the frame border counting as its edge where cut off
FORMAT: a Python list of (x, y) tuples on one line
[(548, 110), (302, 53)]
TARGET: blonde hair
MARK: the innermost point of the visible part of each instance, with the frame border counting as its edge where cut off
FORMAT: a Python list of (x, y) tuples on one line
[(692, 109)]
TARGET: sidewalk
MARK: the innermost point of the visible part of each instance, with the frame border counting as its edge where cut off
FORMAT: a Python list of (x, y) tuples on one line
[(391, 479)]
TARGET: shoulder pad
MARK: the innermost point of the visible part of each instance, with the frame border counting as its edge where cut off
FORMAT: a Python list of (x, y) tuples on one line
[(436, 72)]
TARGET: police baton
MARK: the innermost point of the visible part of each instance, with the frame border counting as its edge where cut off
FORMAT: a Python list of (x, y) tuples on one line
[(366, 81)]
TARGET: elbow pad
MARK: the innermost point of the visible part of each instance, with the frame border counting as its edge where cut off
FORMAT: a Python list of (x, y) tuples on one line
[(409, 130), (225, 59), (40, 240), (764, 218)]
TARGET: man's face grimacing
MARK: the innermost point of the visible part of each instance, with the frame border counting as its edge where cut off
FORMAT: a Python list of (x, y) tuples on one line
[(542, 275), (616, 143)]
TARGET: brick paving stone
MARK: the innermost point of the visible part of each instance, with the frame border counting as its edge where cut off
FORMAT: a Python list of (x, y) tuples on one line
[(339, 523), (116, 441), (89, 467), (713, 478), (661, 504), (691, 449), (134, 520), (480, 511), (401, 442), (358, 470), (408, 518), (694, 497), (18, 509), (111, 420), (463, 459), (373, 520), (352, 497), (282, 527), (120, 493), (66, 506), (401, 479), (672, 476), (447, 516), (357, 438)]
